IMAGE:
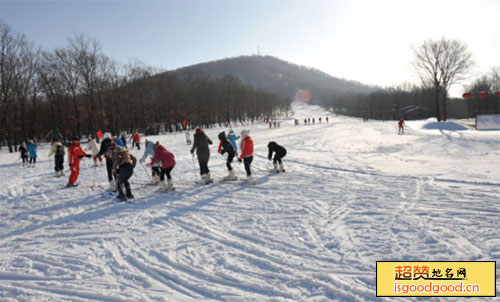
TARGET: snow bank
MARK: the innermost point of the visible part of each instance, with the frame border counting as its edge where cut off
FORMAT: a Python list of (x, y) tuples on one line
[(450, 126)]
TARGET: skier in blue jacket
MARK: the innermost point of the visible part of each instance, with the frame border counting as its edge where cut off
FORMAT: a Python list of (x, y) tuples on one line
[(32, 151), (232, 138), (150, 151)]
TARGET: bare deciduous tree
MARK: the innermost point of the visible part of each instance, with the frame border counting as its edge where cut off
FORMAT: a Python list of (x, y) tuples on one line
[(441, 64)]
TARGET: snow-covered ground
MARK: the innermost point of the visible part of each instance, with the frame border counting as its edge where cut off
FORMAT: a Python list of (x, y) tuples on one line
[(354, 193)]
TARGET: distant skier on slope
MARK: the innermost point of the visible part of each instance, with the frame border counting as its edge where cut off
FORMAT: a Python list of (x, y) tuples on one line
[(119, 142), (401, 126), (167, 161), (247, 154), (32, 152), (226, 147), (200, 144), (124, 140), (94, 149), (57, 149), (136, 140), (23, 152), (188, 137), (107, 147), (76, 153), (279, 153), (123, 166)]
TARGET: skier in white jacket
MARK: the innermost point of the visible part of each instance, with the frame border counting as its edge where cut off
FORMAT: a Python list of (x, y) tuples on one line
[(94, 149)]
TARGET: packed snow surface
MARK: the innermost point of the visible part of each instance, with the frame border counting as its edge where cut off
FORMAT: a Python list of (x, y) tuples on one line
[(353, 193)]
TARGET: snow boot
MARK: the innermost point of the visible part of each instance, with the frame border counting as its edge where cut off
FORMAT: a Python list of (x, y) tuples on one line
[(209, 179), (251, 180), (203, 179), (281, 169), (156, 180), (163, 188), (231, 176), (71, 185), (112, 186), (170, 186), (128, 192), (121, 197)]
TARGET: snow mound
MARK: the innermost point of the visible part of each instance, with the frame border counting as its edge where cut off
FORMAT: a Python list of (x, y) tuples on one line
[(450, 126)]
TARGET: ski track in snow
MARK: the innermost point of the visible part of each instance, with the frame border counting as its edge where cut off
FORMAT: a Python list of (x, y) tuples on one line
[(354, 193)]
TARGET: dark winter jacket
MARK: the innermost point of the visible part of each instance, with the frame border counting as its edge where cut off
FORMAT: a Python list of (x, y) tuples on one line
[(274, 147), (200, 144), (107, 147), (24, 151), (225, 145)]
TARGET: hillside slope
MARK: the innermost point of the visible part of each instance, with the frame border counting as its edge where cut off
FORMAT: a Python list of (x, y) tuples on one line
[(277, 76)]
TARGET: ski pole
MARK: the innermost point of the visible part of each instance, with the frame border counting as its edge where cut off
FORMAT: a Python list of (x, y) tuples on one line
[(178, 176), (147, 172), (90, 174), (194, 167)]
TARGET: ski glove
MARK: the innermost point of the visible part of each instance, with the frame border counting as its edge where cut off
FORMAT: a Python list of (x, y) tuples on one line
[(240, 160), (89, 156), (80, 156)]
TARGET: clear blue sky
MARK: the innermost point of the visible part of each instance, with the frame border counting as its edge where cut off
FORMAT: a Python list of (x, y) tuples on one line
[(365, 40)]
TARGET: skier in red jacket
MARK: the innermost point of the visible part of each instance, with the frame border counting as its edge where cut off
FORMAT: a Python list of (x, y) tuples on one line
[(167, 160), (401, 125), (76, 153), (247, 154), (136, 140)]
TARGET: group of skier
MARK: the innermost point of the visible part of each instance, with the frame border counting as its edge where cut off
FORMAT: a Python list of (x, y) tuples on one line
[(307, 121), (28, 153), (120, 163)]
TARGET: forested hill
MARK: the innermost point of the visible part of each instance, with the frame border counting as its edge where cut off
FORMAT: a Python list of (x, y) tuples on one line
[(273, 75)]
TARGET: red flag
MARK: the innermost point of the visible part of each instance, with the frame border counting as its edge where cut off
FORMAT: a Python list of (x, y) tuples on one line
[(483, 94), (467, 95)]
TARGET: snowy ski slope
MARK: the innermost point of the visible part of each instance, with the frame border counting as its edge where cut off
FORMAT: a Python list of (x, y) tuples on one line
[(354, 193)]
